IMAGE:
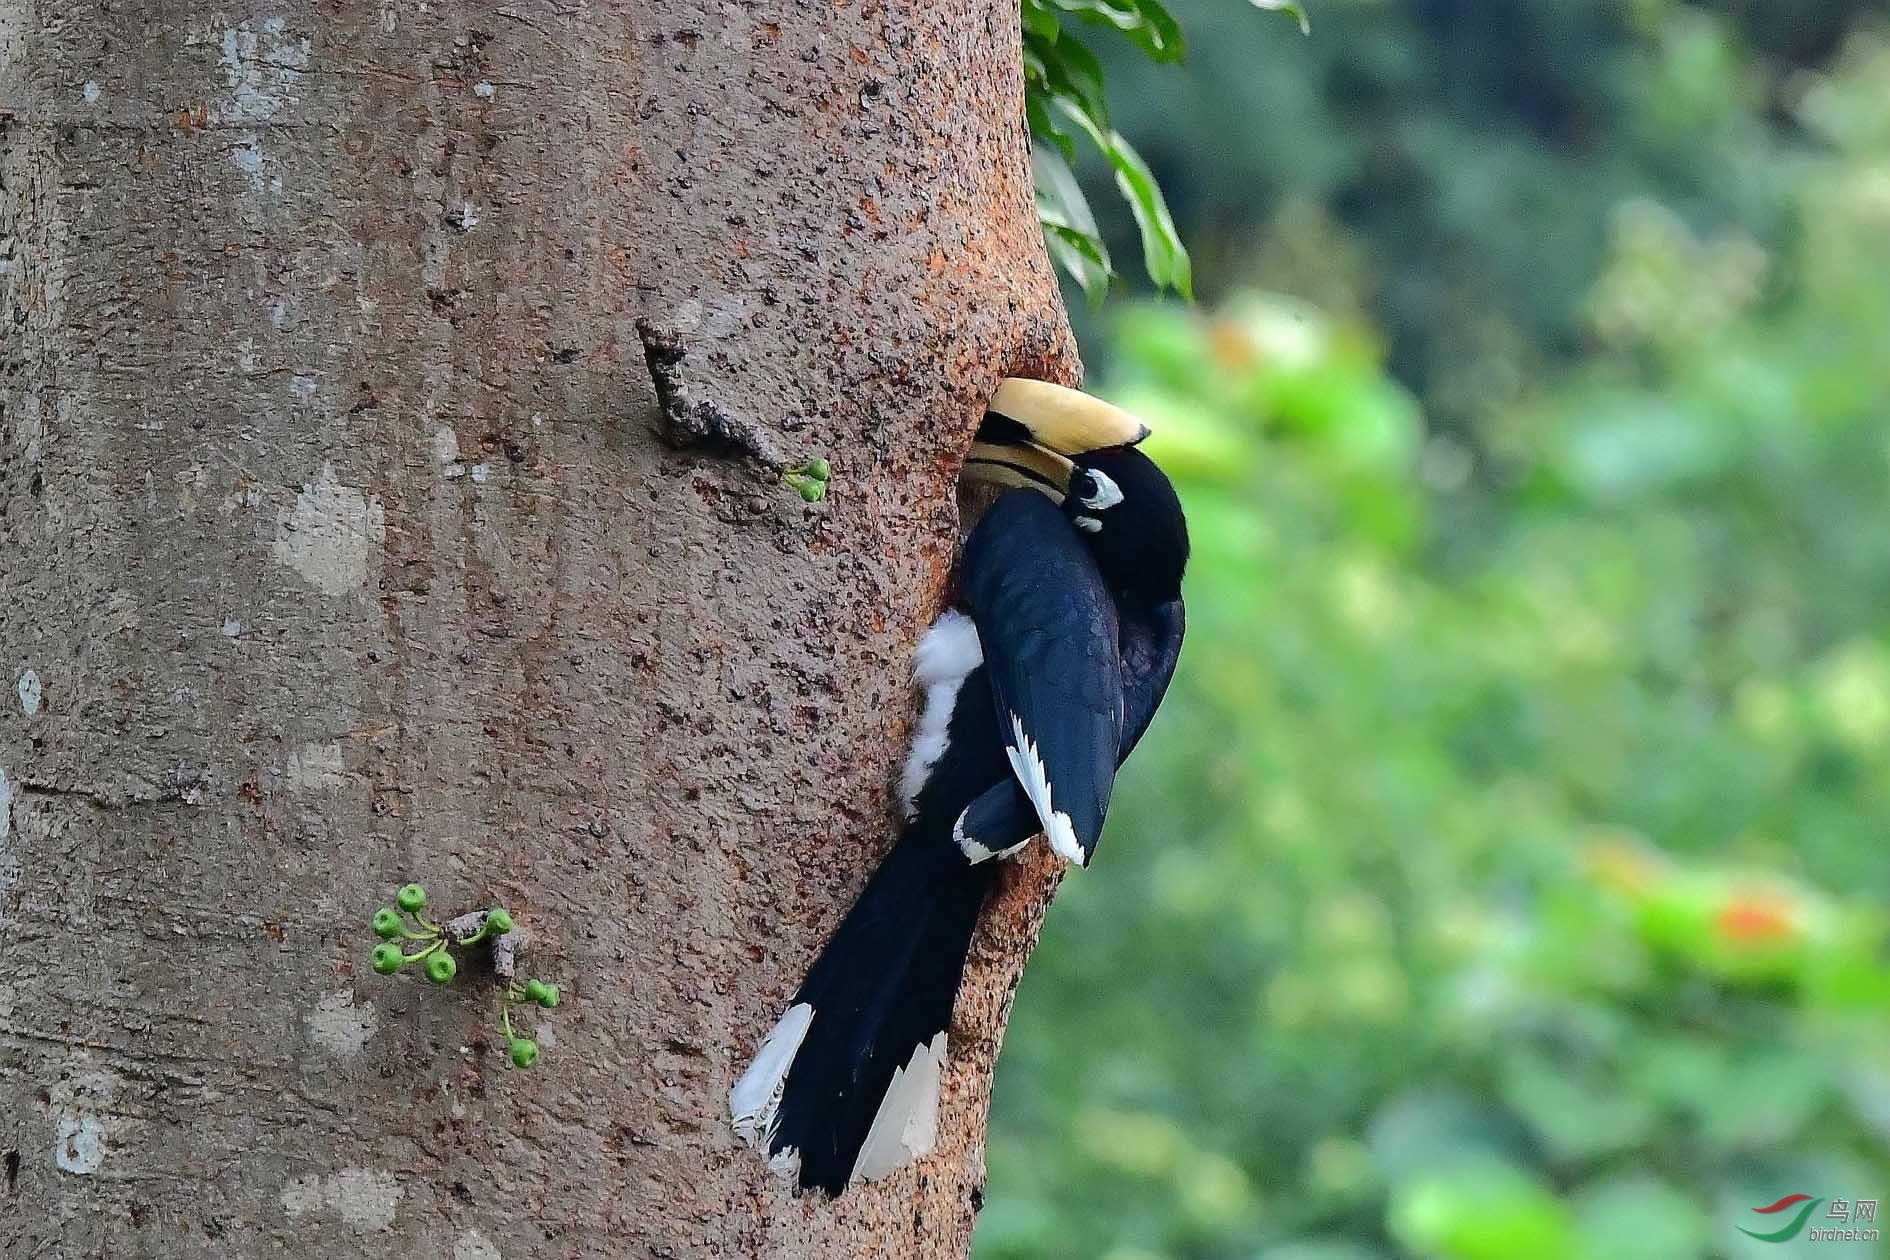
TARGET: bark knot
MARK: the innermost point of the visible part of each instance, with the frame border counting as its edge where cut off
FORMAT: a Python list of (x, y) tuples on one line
[(688, 418)]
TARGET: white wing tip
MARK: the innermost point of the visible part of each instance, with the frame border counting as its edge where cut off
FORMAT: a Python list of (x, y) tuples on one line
[(1063, 839), (906, 1124), (1030, 771), (974, 852), (756, 1098)]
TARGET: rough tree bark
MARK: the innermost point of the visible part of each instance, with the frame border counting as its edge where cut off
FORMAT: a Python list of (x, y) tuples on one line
[(343, 541)]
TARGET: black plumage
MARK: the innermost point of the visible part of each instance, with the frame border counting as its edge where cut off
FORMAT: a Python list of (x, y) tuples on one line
[(1077, 631), (1141, 550), (1002, 817), (1048, 629)]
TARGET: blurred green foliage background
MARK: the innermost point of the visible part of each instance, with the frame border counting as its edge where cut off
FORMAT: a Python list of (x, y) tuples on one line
[(1506, 876)]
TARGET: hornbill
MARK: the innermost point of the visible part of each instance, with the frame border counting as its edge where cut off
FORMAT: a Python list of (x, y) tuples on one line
[(1038, 683)]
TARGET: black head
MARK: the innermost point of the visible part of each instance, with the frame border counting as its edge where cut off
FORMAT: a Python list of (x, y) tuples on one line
[(1132, 519)]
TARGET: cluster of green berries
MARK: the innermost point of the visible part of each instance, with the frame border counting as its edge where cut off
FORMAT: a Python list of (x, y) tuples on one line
[(810, 478), (435, 958)]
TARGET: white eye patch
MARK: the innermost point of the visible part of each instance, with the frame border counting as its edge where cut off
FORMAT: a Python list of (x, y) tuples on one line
[(1105, 493)]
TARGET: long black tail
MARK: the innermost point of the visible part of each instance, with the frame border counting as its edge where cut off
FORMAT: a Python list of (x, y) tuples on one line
[(845, 1087)]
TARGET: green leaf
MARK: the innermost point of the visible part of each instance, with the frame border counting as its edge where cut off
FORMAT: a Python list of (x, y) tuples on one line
[(1081, 258), (1036, 73), (1124, 17), (1163, 254), (1166, 29), (1073, 69), (1481, 1210), (1640, 1218), (1060, 199), (1291, 8), (1063, 95), (1148, 25), (1044, 127), (1072, 110), (1040, 21), (1069, 227)]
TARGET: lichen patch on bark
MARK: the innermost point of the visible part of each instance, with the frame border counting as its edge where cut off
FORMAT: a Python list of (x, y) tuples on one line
[(315, 767), (341, 1023), (473, 1245), (79, 1143), (263, 63), (366, 1199), (328, 534), (30, 692)]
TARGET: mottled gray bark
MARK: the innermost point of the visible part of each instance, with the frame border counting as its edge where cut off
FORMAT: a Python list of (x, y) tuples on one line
[(342, 541)]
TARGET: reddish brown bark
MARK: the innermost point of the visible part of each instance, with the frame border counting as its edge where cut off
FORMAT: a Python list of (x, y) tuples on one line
[(344, 543)]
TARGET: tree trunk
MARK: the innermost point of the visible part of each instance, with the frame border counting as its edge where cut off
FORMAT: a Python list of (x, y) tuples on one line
[(344, 541)]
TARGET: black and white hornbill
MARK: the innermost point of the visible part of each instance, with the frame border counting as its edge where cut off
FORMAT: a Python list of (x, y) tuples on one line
[(1038, 683)]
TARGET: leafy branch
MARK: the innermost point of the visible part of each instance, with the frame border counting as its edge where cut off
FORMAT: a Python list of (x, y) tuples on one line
[(1064, 101)]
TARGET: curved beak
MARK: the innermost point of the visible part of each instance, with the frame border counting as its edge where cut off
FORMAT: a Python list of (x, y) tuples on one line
[(1059, 419), (1002, 459)]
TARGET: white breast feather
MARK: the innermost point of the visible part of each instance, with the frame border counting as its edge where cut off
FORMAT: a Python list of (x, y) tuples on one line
[(949, 651)]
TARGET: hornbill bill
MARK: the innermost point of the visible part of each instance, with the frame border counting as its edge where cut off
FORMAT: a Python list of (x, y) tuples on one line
[(1038, 683)]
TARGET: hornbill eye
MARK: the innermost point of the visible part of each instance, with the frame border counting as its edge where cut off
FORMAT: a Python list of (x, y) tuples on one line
[(1098, 491)]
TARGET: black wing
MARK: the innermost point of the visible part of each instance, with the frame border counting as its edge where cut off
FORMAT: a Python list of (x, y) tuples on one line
[(1002, 818), (1049, 633), (1150, 651)]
